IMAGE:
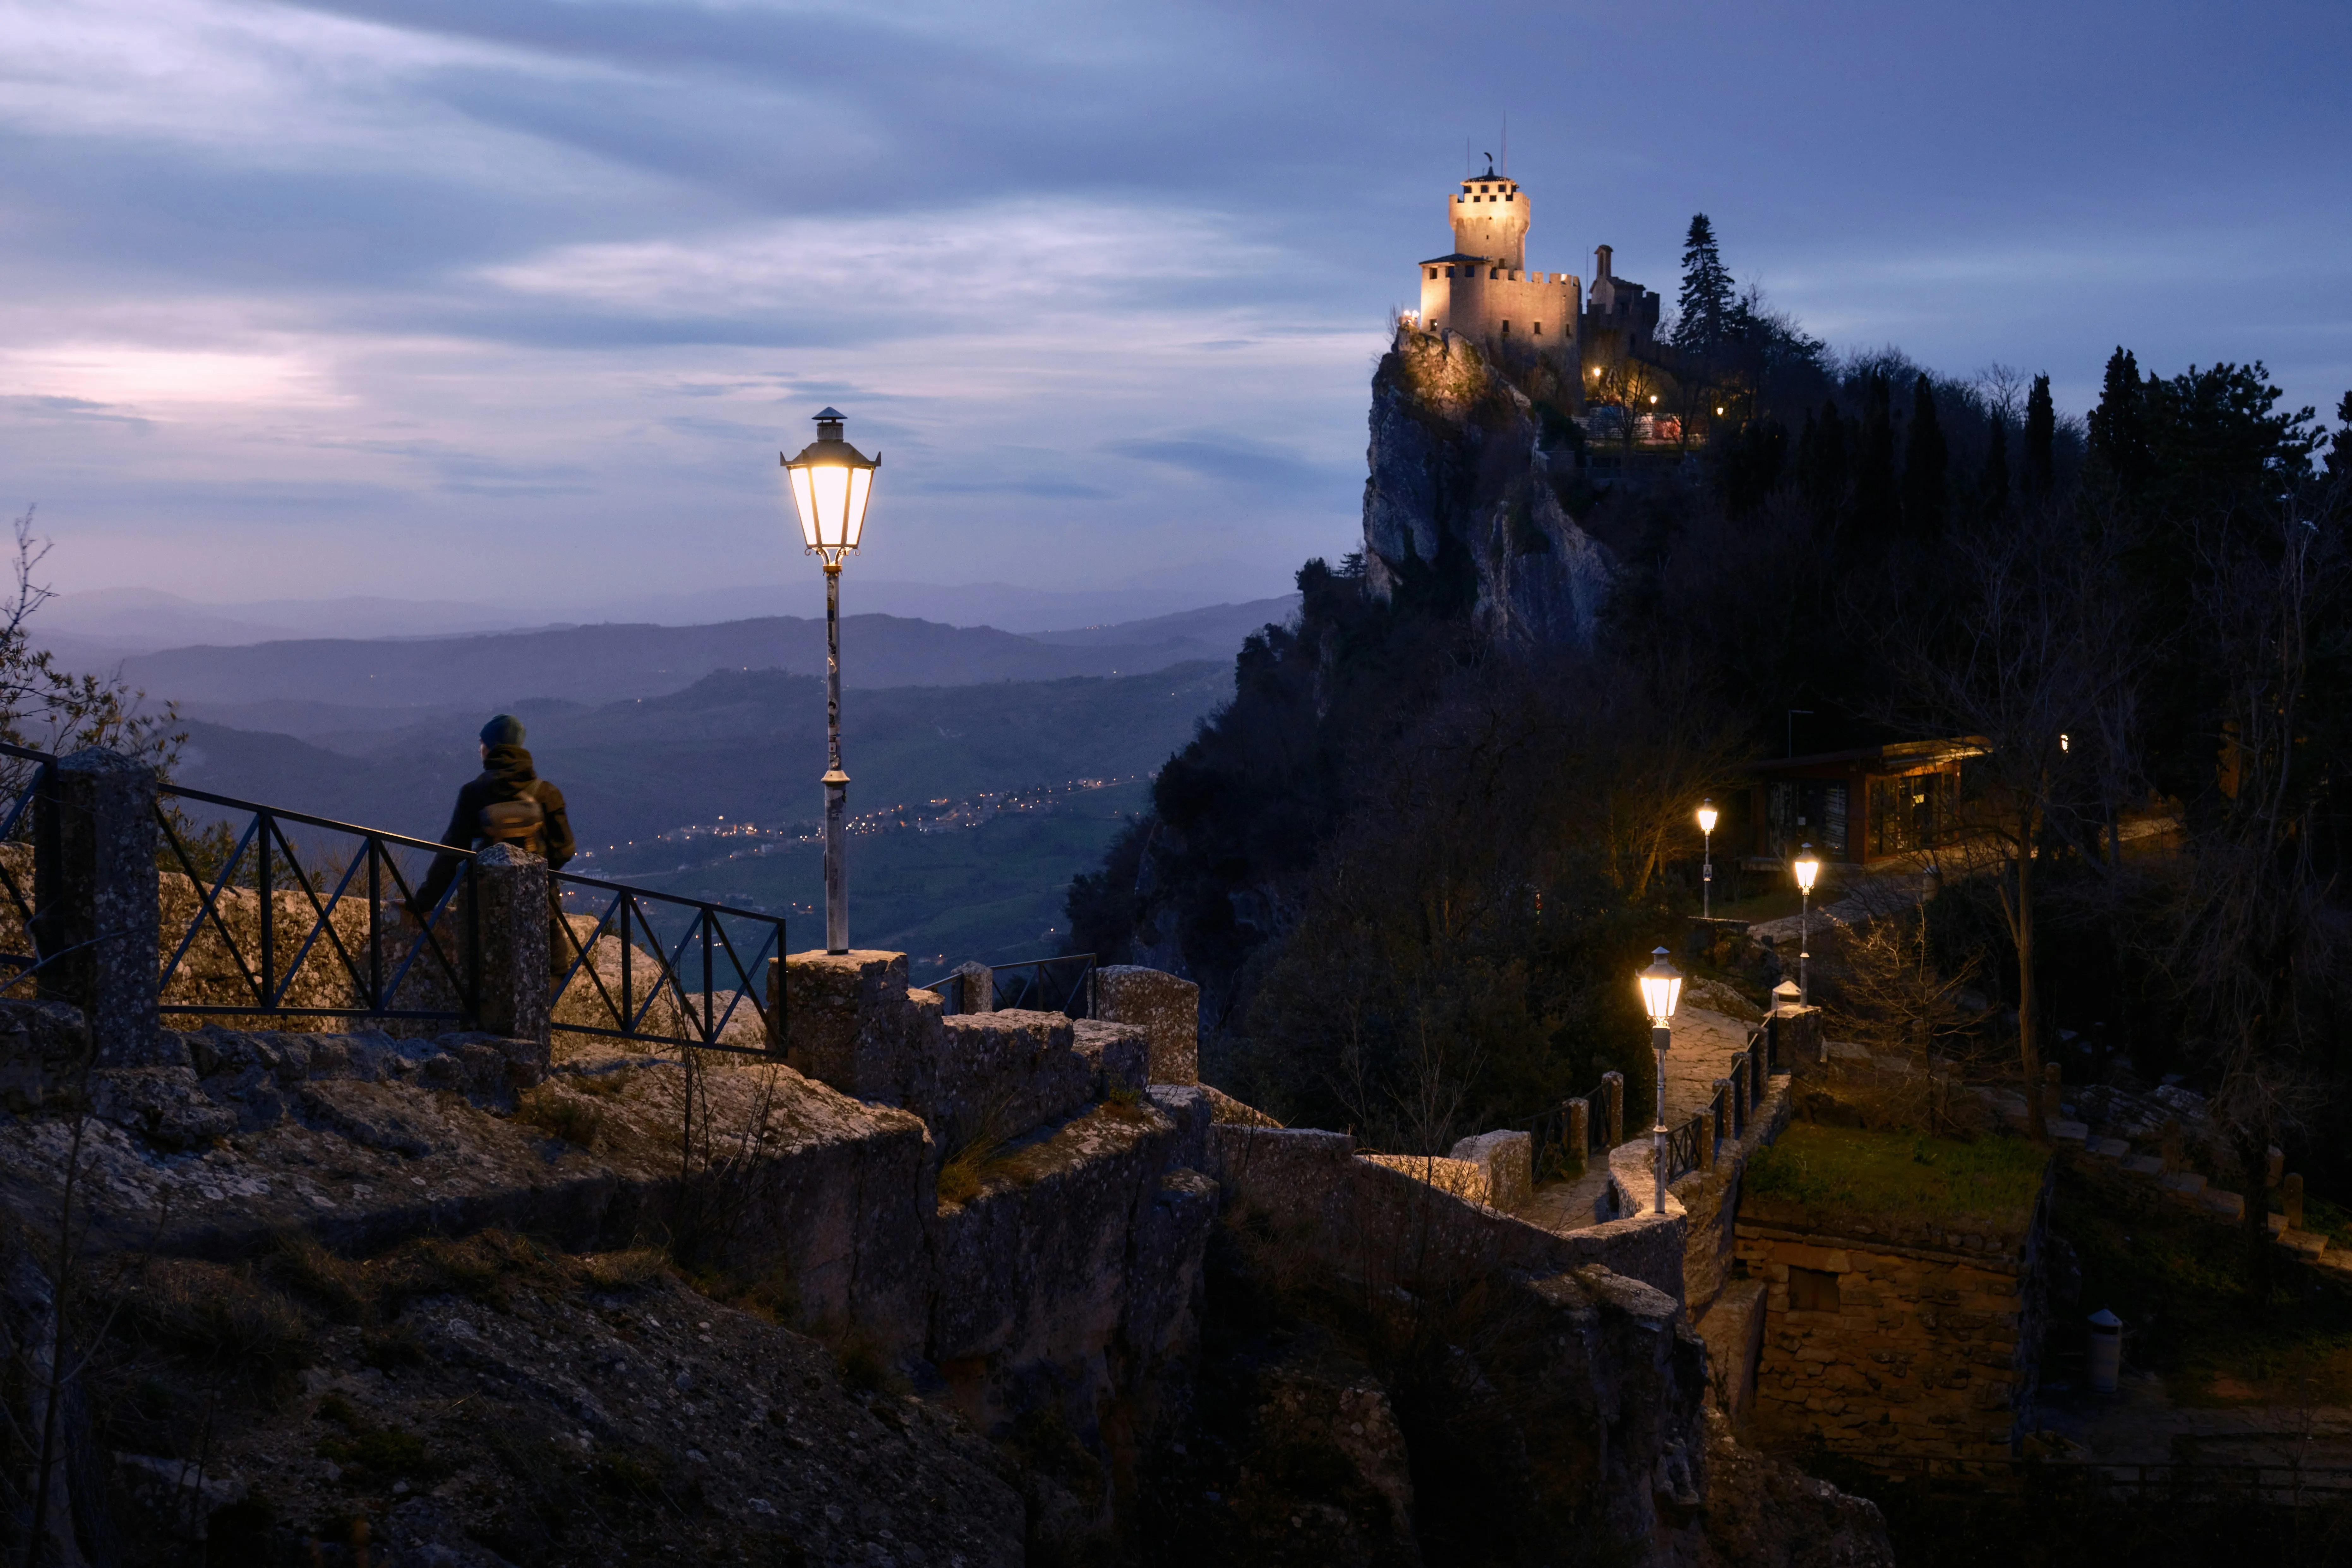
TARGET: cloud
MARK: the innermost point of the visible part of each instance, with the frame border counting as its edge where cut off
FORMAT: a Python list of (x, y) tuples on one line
[(1228, 460)]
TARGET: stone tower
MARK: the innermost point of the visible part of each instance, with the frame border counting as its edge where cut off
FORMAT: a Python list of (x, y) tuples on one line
[(1482, 290), (1489, 215)]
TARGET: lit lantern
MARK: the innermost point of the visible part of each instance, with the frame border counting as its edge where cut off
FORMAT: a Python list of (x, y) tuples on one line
[(1807, 868), (832, 481), (1661, 988)]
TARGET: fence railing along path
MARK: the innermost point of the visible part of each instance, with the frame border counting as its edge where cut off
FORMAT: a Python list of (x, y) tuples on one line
[(27, 777), (273, 914), (1063, 985)]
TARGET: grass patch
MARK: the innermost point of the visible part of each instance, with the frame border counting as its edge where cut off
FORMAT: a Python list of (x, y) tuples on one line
[(576, 1121), (372, 1455), (2194, 1311), (1850, 1170), (222, 1317), (487, 1266)]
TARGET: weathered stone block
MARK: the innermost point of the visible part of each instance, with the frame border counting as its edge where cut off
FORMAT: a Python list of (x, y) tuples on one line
[(846, 1021), (1165, 1007), (1121, 1053), (1507, 1161), (1000, 1074)]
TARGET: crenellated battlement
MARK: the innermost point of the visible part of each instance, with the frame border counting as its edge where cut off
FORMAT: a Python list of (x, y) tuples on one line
[(1484, 290)]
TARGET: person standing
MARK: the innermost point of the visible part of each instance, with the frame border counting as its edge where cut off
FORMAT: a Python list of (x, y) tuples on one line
[(506, 803)]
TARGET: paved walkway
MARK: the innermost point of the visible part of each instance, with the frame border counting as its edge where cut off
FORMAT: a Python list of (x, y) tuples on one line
[(2140, 1425), (1704, 1042)]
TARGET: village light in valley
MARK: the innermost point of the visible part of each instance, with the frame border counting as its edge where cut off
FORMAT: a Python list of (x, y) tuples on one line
[(1707, 872), (1807, 868), (832, 481), (1661, 988)]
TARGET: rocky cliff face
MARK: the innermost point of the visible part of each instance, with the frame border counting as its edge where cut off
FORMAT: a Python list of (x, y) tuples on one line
[(1463, 502)]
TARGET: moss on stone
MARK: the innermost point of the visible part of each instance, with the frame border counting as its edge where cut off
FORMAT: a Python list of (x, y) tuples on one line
[(1851, 1170)]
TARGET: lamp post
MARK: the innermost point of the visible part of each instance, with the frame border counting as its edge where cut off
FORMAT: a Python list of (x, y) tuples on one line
[(1707, 872), (832, 481), (1661, 988), (1807, 868)]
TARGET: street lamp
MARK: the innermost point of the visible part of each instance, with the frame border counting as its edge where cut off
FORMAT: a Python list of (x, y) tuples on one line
[(1661, 988), (1707, 872), (1807, 868), (832, 481)]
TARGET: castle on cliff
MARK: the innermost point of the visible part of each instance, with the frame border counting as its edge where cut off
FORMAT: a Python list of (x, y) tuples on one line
[(1482, 291)]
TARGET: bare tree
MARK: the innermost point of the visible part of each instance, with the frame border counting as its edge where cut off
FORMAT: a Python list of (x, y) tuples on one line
[(2037, 649)]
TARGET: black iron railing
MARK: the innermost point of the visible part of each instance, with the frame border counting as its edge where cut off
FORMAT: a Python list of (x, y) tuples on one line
[(1063, 984), (652, 967), (1685, 1145), (315, 939), (1563, 1139), (28, 856)]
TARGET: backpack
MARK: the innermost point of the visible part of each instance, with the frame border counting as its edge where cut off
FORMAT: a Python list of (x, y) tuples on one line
[(516, 822)]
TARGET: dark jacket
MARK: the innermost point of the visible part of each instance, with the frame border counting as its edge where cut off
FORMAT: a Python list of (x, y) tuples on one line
[(509, 777)]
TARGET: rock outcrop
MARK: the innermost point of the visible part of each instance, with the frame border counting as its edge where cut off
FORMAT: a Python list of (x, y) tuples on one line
[(1462, 501)]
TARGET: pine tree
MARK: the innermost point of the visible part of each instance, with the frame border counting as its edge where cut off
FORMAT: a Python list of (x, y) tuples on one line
[(1708, 301), (1877, 508), (1992, 479), (2040, 442), (1926, 466)]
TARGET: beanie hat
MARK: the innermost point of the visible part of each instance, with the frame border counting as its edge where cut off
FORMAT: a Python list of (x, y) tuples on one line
[(505, 730)]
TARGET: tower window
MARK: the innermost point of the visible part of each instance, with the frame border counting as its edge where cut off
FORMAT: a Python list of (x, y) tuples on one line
[(1539, 329), (1507, 329)]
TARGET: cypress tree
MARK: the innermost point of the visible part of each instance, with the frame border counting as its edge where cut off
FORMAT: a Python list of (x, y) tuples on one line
[(1878, 508), (2120, 426), (1926, 466), (1821, 462), (2040, 442), (1705, 306), (1992, 479)]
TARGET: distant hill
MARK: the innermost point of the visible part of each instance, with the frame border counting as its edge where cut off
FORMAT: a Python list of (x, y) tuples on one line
[(339, 687), (744, 744)]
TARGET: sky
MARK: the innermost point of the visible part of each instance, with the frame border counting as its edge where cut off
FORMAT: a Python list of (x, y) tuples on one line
[(516, 301)]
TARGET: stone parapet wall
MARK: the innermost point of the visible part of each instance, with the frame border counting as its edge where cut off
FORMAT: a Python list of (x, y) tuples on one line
[(1369, 1221), (1710, 1200)]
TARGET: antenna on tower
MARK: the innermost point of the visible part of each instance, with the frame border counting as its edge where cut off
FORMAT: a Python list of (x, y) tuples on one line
[(1507, 146)]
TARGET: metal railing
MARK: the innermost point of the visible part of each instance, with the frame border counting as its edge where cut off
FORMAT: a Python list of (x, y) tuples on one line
[(643, 993), (26, 872), (1684, 1144), (1063, 984), (267, 928), (307, 967), (1563, 1139)]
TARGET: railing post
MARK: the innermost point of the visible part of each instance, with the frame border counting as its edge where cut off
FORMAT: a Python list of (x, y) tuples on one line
[(1616, 1085), (509, 893), (1579, 1130), (105, 919)]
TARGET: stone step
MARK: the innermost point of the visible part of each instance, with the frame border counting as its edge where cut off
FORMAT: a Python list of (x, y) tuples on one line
[(2069, 1132), (2109, 1148), (2311, 1244), (2227, 1204), (2144, 1165), (2188, 1184)]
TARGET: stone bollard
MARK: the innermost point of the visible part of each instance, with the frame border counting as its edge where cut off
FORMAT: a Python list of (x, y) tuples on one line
[(102, 915), (2291, 1199), (1616, 1082), (1165, 1007), (2274, 1167), (1579, 1130), (511, 885), (970, 987)]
